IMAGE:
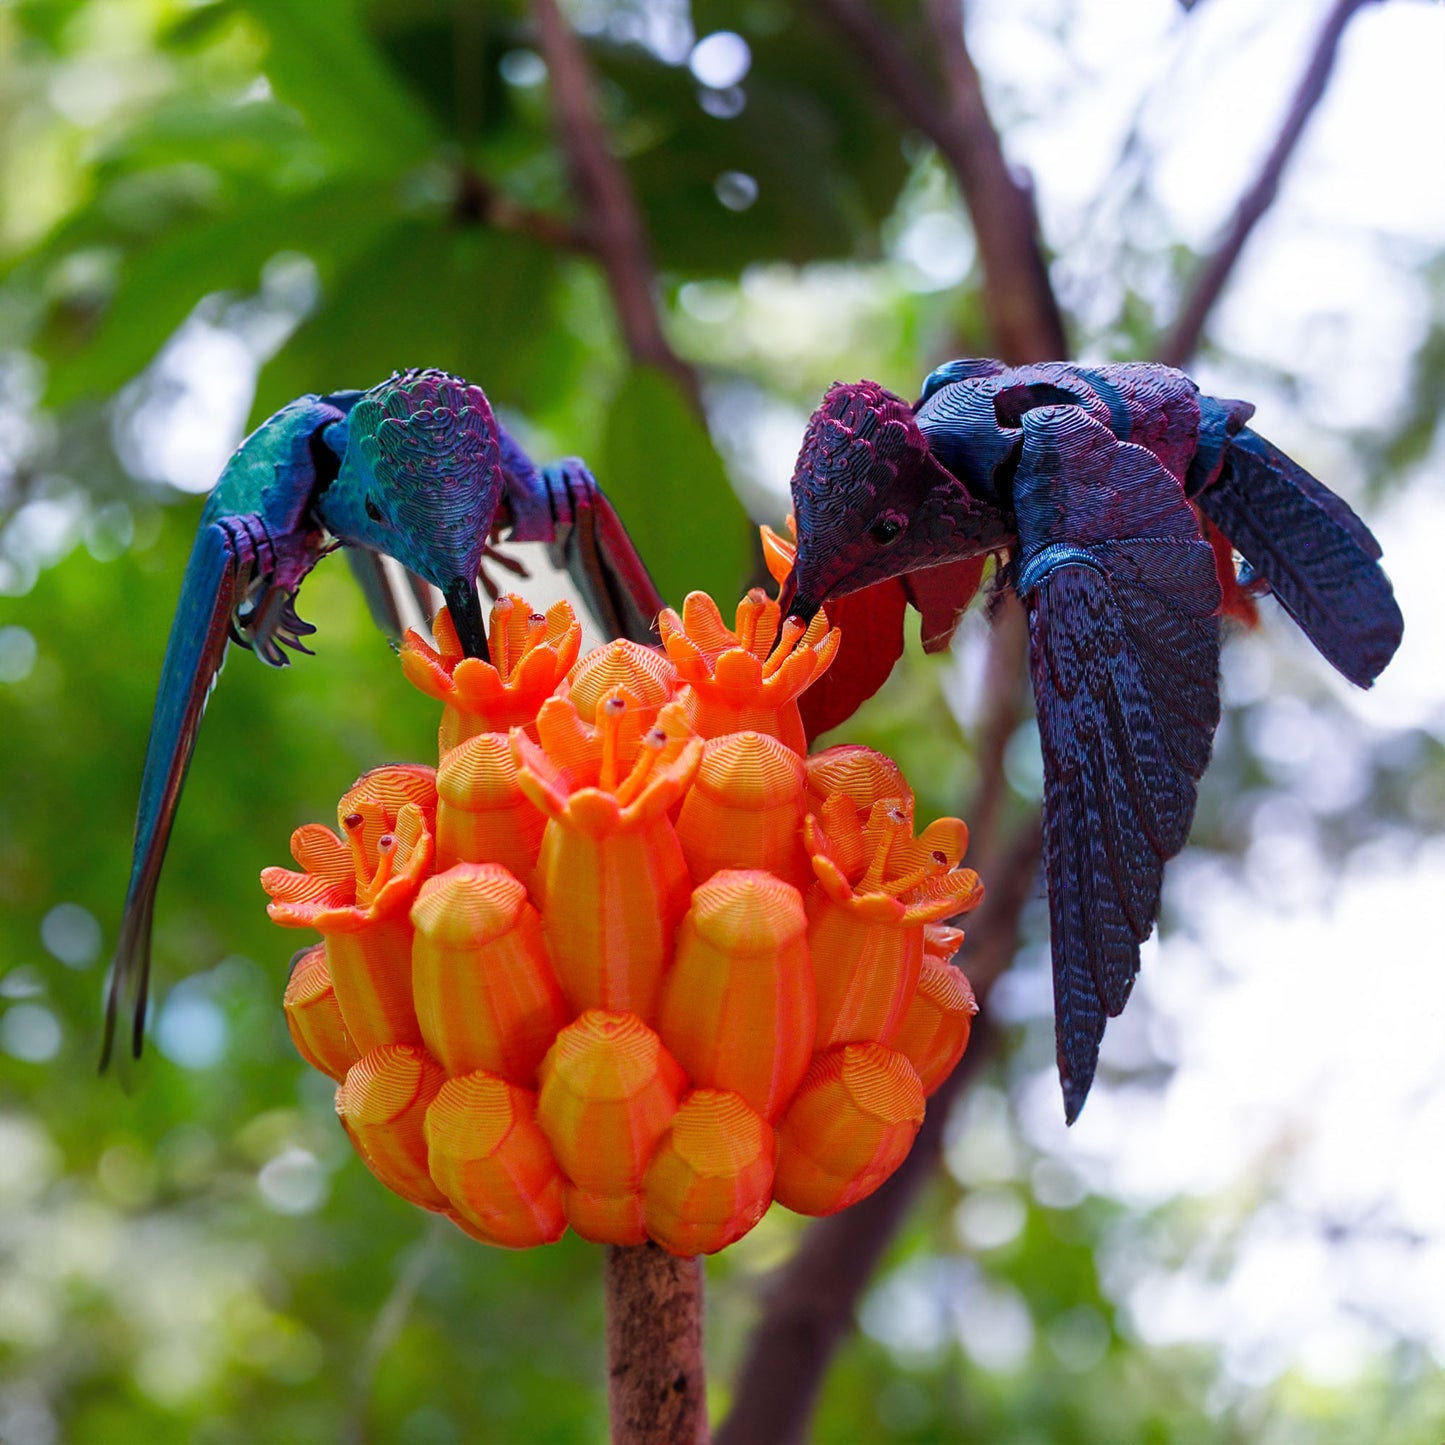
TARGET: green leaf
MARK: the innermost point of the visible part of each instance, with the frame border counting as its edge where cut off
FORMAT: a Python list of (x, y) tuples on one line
[(163, 282), (474, 302), (322, 61), (665, 478)]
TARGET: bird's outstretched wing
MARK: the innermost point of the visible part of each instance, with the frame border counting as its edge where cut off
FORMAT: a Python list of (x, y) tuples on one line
[(1124, 653), (1318, 557), (194, 653)]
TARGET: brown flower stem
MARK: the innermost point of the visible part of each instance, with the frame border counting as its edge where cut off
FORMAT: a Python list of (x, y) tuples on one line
[(656, 1384)]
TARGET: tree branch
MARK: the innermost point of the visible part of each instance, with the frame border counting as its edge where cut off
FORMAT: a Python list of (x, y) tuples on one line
[(611, 218), (1018, 297), (1184, 339)]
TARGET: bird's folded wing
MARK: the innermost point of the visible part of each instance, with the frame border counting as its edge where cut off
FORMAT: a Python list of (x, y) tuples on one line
[(1124, 654)]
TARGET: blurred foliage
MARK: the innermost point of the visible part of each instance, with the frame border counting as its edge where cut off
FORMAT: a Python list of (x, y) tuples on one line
[(200, 1258)]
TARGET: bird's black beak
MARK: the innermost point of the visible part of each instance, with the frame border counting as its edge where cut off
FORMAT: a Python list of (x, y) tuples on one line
[(465, 607)]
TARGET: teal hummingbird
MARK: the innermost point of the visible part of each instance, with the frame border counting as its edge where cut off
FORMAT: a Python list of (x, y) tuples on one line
[(416, 469)]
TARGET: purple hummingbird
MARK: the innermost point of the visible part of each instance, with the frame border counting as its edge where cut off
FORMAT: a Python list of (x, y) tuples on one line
[(1116, 494)]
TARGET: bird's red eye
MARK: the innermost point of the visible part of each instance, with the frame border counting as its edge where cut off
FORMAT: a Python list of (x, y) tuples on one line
[(886, 531)]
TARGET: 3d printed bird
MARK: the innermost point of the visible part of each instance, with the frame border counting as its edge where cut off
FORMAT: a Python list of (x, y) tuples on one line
[(1113, 490), (416, 469)]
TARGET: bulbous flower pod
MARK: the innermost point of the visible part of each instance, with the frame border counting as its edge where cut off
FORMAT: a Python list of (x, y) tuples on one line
[(603, 1218), (738, 680), (358, 893), (493, 1164), (614, 883), (383, 1102), (483, 816), (314, 1017), (646, 677), (711, 1179), (745, 810), (609, 1090), (862, 775), (877, 888), (738, 1010), (530, 655), (850, 1126), (486, 996), (936, 1023)]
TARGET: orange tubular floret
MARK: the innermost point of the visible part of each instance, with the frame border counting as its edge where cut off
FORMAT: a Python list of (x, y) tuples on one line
[(860, 774), (711, 1179), (737, 678), (853, 1122), (486, 996), (647, 677), (314, 1017), (934, 1032), (745, 810), (530, 655), (383, 1102), (614, 882), (609, 1090), (358, 892), (878, 888), (738, 1009), (487, 1155), (483, 816), (603, 1218)]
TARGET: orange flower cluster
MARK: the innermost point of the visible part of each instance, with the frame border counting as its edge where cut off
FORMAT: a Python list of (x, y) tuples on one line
[(627, 960)]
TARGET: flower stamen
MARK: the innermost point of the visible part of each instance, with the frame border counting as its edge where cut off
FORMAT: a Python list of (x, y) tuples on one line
[(653, 743)]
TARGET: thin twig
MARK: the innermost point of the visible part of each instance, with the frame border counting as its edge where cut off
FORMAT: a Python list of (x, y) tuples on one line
[(1018, 297), (479, 202), (610, 212), (1183, 340)]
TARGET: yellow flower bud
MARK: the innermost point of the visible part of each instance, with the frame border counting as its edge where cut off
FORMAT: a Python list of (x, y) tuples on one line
[(609, 1091), (383, 1102), (486, 996), (738, 1009), (745, 810), (487, 1155), (936, 1024), (850, 1126), (711, 1179), (314, 1017), (483, 816)]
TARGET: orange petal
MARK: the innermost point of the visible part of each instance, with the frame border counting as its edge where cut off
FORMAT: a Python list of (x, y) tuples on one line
[(738, 1008), (314, 1017), (609, 1091), (851, 1125), (486, 996), (383, 1102), (711, 1179), (936, 1024), (778, 554), (487, 1155)]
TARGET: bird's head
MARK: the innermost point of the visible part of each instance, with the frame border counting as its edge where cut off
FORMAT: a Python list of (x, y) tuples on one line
[(420, 480), (869, 500)]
